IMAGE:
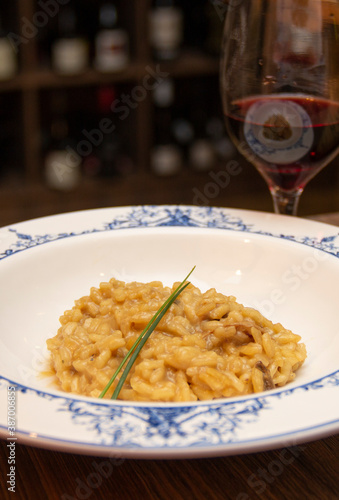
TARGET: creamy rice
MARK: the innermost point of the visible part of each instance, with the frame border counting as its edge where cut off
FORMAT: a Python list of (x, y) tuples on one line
[(207, 345)]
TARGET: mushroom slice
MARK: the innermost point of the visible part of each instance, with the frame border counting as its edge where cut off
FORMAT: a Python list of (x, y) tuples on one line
[(266, 375)]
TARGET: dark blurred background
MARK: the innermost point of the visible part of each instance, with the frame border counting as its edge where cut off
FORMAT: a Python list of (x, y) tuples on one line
[(117, 103)]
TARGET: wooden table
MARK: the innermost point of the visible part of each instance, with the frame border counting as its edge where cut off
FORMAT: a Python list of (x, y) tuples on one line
[(306, 472)]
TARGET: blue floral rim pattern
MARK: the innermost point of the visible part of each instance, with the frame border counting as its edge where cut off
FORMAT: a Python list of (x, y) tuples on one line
[(173, 426), (178, 216)]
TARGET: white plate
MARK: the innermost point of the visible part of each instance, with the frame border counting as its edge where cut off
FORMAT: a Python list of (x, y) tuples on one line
[(286, 267)]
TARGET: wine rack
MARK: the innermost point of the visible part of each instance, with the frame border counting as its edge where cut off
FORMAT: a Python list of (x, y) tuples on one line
[(25, 104)]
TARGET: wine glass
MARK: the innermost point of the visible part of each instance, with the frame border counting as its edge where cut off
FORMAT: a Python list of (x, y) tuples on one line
[(280, 89)]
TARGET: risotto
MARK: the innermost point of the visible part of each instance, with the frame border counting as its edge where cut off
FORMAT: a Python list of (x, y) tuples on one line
[(207, 345)]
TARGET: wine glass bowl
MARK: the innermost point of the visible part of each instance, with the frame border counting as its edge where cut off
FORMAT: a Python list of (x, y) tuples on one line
[(280, 90)]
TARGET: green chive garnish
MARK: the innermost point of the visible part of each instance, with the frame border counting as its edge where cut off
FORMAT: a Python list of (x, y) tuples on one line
[(141, 340)]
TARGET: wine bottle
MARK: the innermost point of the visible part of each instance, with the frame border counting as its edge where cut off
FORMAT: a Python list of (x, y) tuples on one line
[(214, 14), (196, 27), (111, 43), (108, 149), (223, 146), (166, 155), (166, 29), (201, 152), (5, 139), (202, 155), (62, 163), (70, 51), (87, 122), (8, 58), (183, 132)]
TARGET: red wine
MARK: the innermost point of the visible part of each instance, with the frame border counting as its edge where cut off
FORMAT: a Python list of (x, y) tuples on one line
[(289, 138)]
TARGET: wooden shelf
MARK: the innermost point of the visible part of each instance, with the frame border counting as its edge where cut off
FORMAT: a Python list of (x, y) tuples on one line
[(41, 79), (188, 65), (191, 64), (35, 81), (247, 191), (135, 189)]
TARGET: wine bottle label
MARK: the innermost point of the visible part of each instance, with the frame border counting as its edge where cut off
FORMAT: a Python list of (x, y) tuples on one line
[(164, 93), (278, 130), (182, 131), (202, 155), (8, 60), (111, 50), (166, 30), (301, 29), (70, 55), (166, 160), (62, 171)]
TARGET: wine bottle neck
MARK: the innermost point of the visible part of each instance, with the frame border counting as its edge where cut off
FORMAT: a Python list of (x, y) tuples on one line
[(108, 16)]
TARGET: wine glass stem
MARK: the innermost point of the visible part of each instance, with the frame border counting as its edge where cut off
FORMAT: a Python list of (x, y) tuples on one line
[(285, 203)]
